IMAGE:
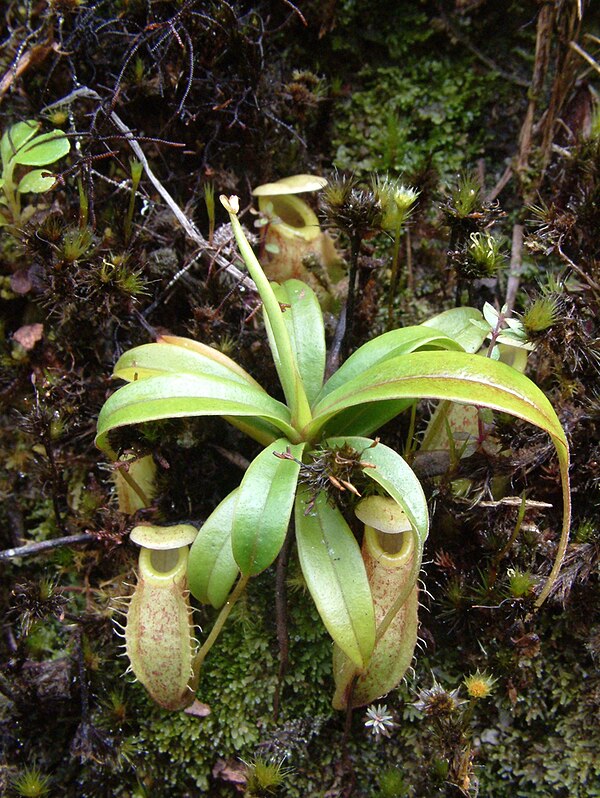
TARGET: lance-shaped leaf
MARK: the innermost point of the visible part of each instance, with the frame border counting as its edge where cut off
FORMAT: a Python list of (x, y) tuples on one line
[(265, 500), (179, 395), (457, 323), (279, 339), (151, 360), (459, 377), (335, 574), (212, 569), (304, 322), (172, 354), (399, 481), (386, 347), (388, 550), (200, 359)]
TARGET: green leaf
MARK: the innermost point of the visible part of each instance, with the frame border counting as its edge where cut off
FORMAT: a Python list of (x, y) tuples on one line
[(175, 355), (151, 360), (212, 569), (180, 395), (304, 323), (458, 377), (365, 419), (209, 352), (15, 137), (385, 347), (43, 150), (36, 182), (335, 574), (279, 339), (394, 475), (265, 500), (457, 323)]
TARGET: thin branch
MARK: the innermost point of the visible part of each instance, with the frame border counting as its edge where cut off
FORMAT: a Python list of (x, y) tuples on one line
[(188, 226), (31, 549), (586, 57), (296, 11), (479, 54), (586, 278), (516, 264)]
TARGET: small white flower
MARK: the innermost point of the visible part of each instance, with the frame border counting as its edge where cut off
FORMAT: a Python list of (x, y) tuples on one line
[(380, 720)]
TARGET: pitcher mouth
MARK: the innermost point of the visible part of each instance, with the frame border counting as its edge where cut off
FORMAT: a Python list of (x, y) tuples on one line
[(165, 565), (293, 218), (390, 549)]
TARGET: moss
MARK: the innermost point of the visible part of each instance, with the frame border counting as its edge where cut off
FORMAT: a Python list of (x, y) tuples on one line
[(402, 116), (238, 682)]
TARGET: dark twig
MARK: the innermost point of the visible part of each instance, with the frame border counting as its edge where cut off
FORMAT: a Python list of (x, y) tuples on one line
[(296, 11), (452, 30), (355, 242), (45, 545), (189, 227), (334, 355)]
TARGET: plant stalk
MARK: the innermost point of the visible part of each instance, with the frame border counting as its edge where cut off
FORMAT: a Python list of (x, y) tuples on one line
[(283, 354), (219, 624)]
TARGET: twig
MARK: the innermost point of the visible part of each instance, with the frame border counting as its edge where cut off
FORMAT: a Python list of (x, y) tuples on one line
[(516, 263), (478, 54), (335, 350), (586, 278), (296, 11), (500, 185), (31, 549), (586, 57), (188, 226)]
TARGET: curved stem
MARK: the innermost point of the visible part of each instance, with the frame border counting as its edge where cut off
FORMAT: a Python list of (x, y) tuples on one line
[(283, 353), (394, 277)]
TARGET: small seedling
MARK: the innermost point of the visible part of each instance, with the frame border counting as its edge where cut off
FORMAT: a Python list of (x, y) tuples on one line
[(22, 146)]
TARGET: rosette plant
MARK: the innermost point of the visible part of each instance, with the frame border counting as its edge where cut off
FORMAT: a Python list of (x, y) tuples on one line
[(319, 438)]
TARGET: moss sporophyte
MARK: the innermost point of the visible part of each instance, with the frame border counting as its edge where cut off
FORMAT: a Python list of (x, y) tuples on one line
[(367, 598)]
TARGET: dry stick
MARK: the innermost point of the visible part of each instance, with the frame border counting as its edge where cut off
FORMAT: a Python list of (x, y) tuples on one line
[(542, 56), (585, 277), (410, 279), (516, 263), (540, 68), (355, 242), (586, 57), (31, 549), (561, 87), (455, 33), (563, 80), (188, 226)]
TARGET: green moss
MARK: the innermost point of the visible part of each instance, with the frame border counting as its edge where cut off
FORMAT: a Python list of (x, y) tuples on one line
[(238, 682), (404, 115)]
